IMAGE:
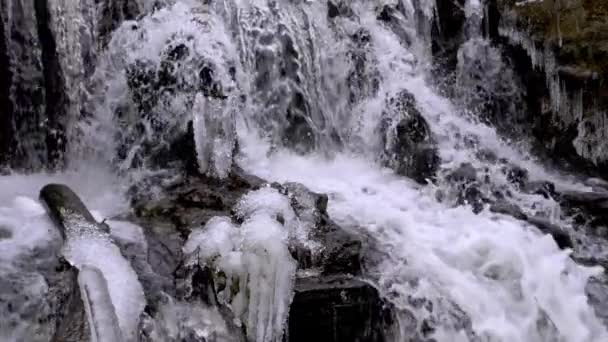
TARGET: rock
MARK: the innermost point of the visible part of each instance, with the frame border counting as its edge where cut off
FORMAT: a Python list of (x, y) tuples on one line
[(516, 175), (561, 237), (338, 8), (448, 32), (472, 195), (487, 155), (341, 249), (40, 297), (113, 13), (465, 173), (564, 71), (543, 188), (56, 315), (64, 206), (408, 145), (339, 309), (299, 134), (392, 17), (5, 233), (197, 284), (510, 209)]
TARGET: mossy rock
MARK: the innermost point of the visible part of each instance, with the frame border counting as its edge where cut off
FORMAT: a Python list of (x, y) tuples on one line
[(577, 30)]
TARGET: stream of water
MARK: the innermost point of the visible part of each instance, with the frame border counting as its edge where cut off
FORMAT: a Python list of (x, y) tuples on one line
[(481, 276)]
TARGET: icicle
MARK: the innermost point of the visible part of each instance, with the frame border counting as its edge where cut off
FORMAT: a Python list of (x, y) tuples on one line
[(255, 259)]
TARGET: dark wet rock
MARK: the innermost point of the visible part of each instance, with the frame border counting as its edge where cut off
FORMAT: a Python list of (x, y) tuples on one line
[(571, 37), (543, 188), (299, 134), (43, 296), (465, 173), (473, 196), (5, 233), (152, 263), (142, 83), (364, 78), (510, 209), (487, 155), (33, 99), (561, 237), (342, 249), (57, 314), (150, 134), (408, 144), (190, 201), (338, 8), (397, 22), (516, 175), (589, 209), (194, 307), (448, 31), (339, 309), (66, 209), (597, 292), (113, 14)]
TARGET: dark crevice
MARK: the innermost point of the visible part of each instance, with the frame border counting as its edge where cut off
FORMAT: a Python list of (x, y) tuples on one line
[(7, 128), (54, 84)]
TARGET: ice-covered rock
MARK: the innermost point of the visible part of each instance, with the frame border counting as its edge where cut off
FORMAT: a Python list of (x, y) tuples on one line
[(255, 260), (89, 245)]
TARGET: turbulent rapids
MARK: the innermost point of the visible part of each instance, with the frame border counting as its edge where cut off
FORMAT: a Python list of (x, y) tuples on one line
[(259, 170)]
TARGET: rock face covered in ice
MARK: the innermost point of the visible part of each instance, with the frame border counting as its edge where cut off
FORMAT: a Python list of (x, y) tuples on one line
[(114, 298), (558, 50), (245, 241), (255, 261), (392, 212)]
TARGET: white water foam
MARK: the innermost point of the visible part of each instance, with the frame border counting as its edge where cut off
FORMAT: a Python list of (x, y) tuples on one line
[(505, 275)]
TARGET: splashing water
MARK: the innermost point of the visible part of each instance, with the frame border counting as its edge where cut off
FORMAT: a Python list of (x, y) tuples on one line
[(299, 95)]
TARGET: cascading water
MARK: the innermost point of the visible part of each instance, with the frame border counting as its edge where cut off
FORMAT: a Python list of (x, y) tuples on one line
[(324, 93)]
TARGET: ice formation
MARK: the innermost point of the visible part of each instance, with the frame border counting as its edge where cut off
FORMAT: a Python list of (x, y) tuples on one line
[(87, 246), (255, 260)]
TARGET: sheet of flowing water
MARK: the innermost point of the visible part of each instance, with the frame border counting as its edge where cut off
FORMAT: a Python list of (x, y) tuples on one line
[(501, 275)]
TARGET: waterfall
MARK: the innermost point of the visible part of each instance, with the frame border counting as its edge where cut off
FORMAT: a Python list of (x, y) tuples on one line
[(467, 242)]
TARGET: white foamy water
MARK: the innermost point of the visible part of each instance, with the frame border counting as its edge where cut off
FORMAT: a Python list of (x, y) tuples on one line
[(280, 68), (513, 282)]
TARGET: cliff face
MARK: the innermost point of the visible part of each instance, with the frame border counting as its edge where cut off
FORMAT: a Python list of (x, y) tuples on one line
[(47, 53), (566, 41), (558, 50)]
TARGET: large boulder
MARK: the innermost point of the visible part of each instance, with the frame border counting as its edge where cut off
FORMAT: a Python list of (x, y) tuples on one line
[(339, 309), (408, 144)]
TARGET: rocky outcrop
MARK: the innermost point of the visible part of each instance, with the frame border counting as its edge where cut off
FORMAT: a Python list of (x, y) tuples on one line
[(561, 49), (48, 52), (408, 144), (339, 309), (543, 74), (32, 101), (326, 279)]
